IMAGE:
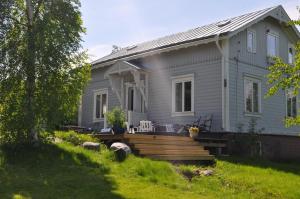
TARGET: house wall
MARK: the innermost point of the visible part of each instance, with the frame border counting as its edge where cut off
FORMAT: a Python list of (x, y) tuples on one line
[(97, 82), (244, 63), (205, 63)]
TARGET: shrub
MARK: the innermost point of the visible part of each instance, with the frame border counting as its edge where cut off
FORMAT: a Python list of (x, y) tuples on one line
[(74, 138), (116, 117)]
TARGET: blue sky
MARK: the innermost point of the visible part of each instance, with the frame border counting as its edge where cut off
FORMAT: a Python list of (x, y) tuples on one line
[(126, 22)]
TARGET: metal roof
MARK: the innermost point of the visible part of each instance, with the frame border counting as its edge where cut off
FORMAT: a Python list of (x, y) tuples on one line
[(228, 26)]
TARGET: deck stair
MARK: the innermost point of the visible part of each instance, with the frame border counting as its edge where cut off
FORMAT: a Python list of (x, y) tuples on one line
[(161, 147)]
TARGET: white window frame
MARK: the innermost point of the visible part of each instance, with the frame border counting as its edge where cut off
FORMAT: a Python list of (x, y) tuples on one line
[(277, 43), (182, 79), (289, 95), (293, 53), (253, 80), (253, 49), (99, 92)]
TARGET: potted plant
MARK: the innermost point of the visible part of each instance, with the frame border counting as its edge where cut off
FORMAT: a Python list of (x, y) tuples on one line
[(194, 131), (116, 118)]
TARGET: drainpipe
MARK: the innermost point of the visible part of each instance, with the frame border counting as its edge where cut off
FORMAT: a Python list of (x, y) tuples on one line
[(224, 81)]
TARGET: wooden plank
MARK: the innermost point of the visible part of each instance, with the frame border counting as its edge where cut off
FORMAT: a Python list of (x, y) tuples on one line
[(157, 137), (173, 152), (166, 146), (164, 142), (177, 157)]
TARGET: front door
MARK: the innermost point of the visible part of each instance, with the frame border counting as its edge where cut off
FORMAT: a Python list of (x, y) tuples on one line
[(130, 98)]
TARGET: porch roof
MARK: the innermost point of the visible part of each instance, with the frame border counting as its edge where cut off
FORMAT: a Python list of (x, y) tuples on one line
[(123, 66)]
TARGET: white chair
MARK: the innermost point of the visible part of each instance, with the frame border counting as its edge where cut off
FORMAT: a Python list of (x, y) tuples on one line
[(145, 126), (169, 128)]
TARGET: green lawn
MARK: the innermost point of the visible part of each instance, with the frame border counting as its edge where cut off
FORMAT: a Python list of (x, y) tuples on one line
[(65, 171)]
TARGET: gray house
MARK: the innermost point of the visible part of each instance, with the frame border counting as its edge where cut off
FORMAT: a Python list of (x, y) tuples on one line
[(216, 69)]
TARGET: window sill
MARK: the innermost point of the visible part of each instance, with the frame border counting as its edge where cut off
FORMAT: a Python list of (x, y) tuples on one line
[(178, 114), (248, 114)]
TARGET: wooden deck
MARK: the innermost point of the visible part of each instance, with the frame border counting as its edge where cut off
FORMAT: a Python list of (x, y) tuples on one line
[(161, 147)]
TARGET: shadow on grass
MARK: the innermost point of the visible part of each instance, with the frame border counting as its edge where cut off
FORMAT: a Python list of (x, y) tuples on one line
[(52, 172), (290, 167)]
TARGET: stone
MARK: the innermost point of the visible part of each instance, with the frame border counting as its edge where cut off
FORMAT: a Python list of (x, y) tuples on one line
[(121, 150), (207, 172), (91, 145)]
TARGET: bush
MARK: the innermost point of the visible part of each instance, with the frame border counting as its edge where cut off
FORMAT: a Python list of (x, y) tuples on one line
[(74, 138), (116, 117)]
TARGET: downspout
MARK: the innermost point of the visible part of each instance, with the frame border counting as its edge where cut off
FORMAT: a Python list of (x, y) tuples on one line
[(224, 82)]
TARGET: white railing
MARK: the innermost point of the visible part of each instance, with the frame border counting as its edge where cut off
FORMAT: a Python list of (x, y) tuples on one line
[(134, 118)]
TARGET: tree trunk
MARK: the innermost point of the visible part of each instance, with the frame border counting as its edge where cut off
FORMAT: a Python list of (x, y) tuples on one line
[(30, 75)]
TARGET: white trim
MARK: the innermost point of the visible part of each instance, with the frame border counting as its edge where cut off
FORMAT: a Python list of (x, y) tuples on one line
[(253, 32), (258, 81), (182, 79), (99, 92), (225, 48)]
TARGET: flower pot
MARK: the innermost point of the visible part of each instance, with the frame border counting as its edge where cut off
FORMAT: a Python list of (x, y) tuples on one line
[(118, 129)]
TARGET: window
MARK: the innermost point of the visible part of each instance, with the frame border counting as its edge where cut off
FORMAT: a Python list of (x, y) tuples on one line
[(291, 104), (100, 104), (251, 41), (252, 89), (290, 54), (183, 95), (272, 44)]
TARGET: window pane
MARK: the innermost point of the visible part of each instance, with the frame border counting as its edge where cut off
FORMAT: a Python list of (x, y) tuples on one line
[(188, 96), (250, 41), (289, 107), (98, 106), (255, 98), (178, 97), (104, 105), (294, 107), (248, 95), (271, 43), (290, 55)]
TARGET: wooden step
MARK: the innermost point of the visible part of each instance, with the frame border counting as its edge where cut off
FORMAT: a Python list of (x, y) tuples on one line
[(163, 142), (157, 137), (166, 146), (173, 152), (182, 157)]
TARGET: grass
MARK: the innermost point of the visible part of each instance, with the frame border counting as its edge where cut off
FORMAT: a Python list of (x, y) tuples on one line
[(66, 171)]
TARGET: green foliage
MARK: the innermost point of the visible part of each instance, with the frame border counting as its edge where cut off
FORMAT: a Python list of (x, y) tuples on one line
[(42, 68), (116, 117), (73, 137)]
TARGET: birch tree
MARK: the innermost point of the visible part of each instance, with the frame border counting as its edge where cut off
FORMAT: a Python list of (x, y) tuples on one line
[(42, 67)]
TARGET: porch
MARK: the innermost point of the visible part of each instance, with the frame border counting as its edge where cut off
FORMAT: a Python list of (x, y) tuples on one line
[(130, 84)]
